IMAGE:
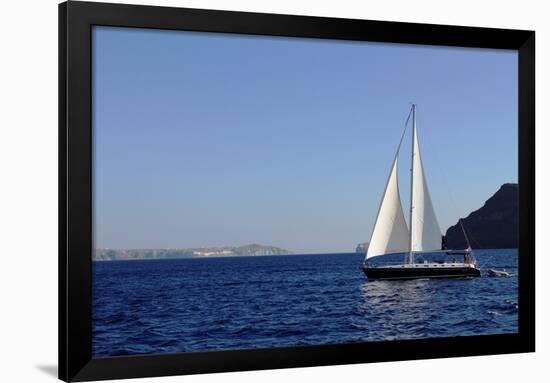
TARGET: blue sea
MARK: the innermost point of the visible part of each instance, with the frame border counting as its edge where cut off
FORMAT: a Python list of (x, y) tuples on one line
[(205, 304)]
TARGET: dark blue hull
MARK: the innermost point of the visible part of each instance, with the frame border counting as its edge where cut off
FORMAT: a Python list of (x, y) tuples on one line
[(420, 272)]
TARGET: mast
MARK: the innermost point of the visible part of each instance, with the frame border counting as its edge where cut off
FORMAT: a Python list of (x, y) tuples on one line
[(411, 255), (425, 232)]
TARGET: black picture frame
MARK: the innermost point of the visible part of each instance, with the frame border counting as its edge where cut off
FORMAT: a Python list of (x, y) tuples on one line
[(75, 189)]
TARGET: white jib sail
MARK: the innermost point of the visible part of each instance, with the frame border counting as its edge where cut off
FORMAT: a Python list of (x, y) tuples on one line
[(390, 233), (425, 232)]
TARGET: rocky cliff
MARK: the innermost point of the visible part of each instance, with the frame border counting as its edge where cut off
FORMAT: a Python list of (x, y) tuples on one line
[(493, 226)]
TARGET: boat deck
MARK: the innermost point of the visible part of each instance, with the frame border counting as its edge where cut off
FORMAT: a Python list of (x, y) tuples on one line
[(429, 265)]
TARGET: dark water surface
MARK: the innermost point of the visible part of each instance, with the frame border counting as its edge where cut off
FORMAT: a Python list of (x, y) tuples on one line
[(162, 306)]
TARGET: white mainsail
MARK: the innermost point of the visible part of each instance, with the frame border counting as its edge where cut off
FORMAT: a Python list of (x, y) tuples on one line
[(425, 231), (390, 233)]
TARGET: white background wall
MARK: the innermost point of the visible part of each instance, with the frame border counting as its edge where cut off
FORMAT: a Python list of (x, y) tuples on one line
[(28, 188)]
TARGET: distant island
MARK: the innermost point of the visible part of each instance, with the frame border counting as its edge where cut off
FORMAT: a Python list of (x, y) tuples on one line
[(493, 226), (362, 247), (200, 252)]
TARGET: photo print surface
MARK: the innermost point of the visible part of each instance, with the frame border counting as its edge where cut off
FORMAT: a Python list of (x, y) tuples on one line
[(257, 192)]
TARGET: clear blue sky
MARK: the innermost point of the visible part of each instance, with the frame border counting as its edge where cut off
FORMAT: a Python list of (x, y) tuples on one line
[(212, 139)]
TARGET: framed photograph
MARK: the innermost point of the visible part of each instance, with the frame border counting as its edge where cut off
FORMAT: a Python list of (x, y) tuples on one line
[(244, 191)]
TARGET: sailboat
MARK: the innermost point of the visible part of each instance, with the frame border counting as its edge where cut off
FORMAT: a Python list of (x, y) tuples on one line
[(391, 235)]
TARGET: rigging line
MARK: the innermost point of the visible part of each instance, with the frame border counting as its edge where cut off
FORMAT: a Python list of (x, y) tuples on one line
[(445, 181), (465, 235), (489, 258), (482, 266), (404, 130)]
